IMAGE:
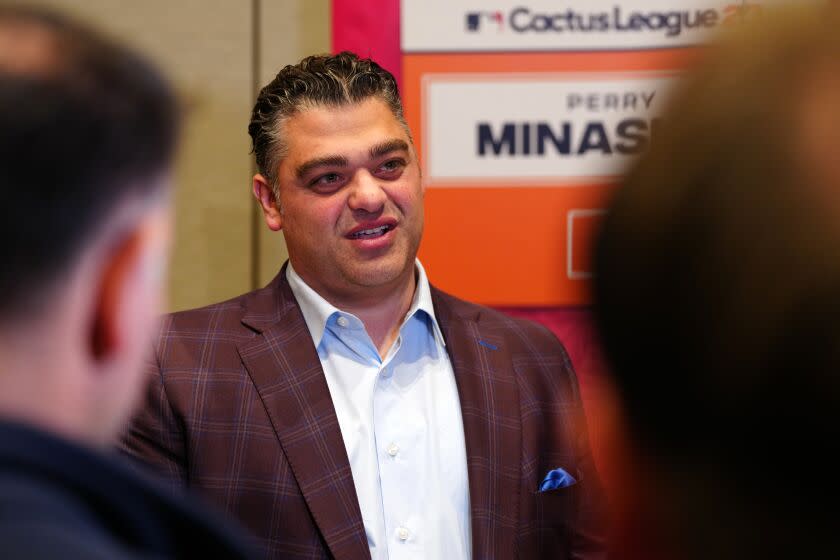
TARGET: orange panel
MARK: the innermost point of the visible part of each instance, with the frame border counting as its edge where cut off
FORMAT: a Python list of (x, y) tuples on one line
[(507, 245), (504, 246), (583, 230)]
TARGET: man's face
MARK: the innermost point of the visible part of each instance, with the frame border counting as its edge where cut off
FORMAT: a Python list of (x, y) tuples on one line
[(350, 199)]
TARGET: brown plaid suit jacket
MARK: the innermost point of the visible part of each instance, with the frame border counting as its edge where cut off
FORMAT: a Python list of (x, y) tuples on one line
[(238, 408)]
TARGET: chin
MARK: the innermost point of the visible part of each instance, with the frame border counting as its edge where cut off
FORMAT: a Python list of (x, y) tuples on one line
[(377, 274)]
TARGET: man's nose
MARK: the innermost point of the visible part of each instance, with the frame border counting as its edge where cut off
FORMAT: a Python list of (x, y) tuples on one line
[(366, 193)]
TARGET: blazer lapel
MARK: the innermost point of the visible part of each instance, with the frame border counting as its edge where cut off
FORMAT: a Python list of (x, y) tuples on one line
[(287, 373), (490, 408)]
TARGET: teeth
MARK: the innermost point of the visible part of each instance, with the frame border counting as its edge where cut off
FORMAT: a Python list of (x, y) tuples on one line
[(371, 232)]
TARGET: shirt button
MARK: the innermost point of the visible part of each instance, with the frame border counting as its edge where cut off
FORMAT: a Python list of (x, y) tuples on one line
[(342, 321), (402, 533), (393, 449)]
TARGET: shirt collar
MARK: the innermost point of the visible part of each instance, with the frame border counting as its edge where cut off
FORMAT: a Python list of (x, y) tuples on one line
[(422, 301), (317, 311)]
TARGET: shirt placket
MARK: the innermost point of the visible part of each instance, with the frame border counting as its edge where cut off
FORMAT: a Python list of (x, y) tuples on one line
[(397, 442)]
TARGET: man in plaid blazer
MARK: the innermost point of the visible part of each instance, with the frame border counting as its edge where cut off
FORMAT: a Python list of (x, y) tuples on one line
[(349, 409)]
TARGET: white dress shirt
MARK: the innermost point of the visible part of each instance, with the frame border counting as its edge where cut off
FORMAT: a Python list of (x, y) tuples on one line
[(400, 420)]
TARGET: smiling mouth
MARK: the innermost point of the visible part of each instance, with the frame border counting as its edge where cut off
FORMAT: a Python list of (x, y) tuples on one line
[(372, 232)]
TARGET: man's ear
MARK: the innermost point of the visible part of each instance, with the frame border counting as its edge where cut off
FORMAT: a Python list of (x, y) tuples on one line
[(106, 336), (130, 285), (268, 202)]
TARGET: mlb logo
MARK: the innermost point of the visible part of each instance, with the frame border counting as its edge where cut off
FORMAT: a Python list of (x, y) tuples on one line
[(473, 20)]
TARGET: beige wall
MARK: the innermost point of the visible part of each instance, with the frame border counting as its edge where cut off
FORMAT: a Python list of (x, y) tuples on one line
[(218, 53)]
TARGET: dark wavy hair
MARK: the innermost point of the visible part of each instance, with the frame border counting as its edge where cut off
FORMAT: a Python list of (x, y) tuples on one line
[(319, 80)]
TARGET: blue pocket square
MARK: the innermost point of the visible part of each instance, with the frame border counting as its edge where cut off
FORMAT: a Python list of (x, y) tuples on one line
[(557, 478)]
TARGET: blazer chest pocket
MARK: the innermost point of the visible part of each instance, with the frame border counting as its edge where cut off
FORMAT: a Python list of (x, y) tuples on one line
[(557, 512)]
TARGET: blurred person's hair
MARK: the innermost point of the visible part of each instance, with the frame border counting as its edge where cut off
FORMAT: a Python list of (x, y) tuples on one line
[(718, 293), (84, 124), (319, 80)]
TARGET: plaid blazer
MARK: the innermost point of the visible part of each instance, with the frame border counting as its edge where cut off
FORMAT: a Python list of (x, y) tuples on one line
[(238, 408)]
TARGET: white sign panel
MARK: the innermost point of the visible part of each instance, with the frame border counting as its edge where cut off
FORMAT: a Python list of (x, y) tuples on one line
[(537, 128), (480, 25)]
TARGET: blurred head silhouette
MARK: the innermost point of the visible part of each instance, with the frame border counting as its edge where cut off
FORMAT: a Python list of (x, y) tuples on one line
[(718, 299), (87, 131)]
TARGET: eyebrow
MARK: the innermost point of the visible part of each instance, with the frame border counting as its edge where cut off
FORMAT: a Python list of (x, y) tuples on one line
[(379, 150), (328, 161), (388, 146)]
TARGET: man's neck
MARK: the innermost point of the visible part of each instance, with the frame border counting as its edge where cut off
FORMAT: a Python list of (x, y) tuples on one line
[(40, 380), (381, 310), (383, 317)]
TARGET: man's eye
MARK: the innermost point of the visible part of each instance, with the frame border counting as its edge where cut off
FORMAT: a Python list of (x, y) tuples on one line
[(392, 166), (326, 182), (327, 179)]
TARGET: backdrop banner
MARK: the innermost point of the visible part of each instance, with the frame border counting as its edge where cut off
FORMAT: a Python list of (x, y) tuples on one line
[(525, 114)]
